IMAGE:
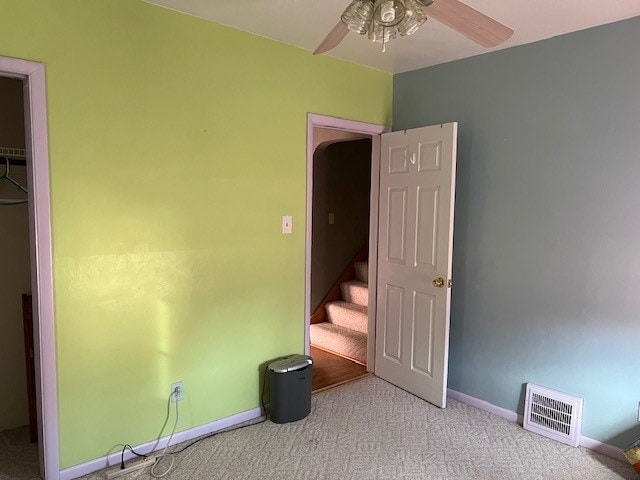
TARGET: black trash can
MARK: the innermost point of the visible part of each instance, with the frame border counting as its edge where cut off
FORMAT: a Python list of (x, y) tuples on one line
[(290, 388)]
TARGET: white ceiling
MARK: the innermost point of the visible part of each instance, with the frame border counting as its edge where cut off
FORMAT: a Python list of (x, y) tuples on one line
[(304, 23)]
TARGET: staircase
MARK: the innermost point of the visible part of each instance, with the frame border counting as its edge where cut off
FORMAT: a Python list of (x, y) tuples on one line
[(345, 331)]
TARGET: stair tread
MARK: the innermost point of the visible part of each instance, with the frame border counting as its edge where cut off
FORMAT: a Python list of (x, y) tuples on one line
[(355, 291), (349, 306), (344, 330), (341, 340), (348, 315)]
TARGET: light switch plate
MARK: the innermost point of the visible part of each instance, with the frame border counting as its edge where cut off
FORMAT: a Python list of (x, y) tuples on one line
[(287, 224)]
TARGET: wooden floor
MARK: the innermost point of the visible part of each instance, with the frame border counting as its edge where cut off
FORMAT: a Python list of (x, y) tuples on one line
[(330, 370)]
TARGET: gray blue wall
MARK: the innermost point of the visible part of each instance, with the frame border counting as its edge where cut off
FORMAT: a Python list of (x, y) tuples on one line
[(547, 229)]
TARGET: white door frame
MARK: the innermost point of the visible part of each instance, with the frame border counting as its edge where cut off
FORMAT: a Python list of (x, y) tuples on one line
[(41, 261), (373, 130)]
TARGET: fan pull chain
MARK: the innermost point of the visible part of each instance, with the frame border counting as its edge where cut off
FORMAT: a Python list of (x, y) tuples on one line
[(384, 45)]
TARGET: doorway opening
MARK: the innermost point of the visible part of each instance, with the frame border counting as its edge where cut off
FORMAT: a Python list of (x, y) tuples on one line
[(18, 419), (28, 418), (342, 159)]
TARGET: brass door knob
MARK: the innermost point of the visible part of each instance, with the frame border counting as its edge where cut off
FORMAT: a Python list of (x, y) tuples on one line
[(438, 282)]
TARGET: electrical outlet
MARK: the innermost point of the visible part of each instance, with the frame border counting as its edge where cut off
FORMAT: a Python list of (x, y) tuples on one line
[(180, 396)]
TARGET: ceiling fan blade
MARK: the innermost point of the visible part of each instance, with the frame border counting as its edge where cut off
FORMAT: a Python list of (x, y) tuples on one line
[(335, 36), (469, 22)]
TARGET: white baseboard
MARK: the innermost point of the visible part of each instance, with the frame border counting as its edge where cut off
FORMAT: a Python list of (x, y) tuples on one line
[(146, 448), (603, 448), (485, 406), (586, 442)]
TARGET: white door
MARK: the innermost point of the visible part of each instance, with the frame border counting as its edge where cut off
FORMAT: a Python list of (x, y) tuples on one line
[(415, 240)]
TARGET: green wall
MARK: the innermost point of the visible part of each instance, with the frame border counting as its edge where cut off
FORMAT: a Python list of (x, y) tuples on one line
[(546, 266), (175, 146)]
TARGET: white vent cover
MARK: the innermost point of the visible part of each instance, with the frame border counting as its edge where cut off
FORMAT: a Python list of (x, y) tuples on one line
[(553, 414)]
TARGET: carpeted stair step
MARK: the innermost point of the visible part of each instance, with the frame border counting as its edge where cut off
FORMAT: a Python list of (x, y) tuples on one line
[(340, 340), (348, 315), (362, 271), (355, 291)]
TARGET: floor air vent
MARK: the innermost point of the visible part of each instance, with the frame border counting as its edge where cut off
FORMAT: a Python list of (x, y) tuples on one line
[(553, 414)]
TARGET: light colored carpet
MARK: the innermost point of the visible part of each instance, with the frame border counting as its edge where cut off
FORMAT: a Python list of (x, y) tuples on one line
[(348, 315), (355, 291), (341, 340), (18, 457), (369, 429)]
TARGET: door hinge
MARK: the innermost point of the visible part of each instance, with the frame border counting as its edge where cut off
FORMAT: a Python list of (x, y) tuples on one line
[(450, 283)]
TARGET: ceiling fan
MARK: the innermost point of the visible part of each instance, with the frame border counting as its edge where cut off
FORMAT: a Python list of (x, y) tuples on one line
[(383, 20)]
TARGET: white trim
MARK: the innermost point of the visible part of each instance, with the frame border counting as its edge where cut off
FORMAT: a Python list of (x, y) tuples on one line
[(148, 447), (603, 448), (485, 406), (335, 123), (41, 259), (373, 252), (586, 442), (323, 121)]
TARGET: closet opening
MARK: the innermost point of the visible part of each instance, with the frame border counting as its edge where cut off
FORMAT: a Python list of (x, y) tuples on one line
[(18, 414)]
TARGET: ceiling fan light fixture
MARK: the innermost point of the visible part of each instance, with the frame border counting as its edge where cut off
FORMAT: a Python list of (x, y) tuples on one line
[(388, 13), (413, 18), (381, 34), (358, 16), (383, 20)]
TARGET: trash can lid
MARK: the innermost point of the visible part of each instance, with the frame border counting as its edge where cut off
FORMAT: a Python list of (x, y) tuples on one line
[(294, 362)]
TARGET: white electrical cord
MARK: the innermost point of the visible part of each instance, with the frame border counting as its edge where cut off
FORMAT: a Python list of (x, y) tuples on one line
[(164, 453)]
